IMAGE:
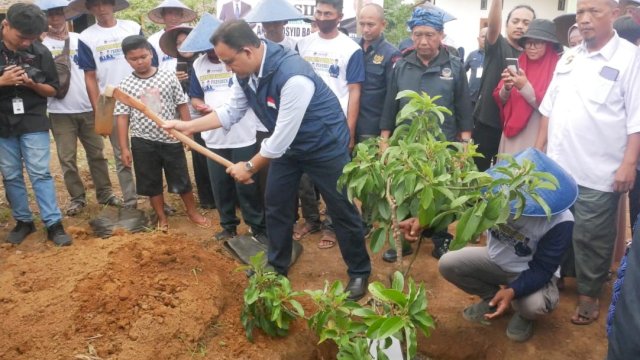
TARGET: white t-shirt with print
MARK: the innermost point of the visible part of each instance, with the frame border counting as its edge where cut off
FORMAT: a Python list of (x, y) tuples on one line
[(330, 59), (77, 100), (105, 55), (161, 93), (215, 81), (165, 61)]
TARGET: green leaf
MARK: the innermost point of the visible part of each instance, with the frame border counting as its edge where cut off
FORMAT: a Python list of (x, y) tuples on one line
[(297, 307), (378, 239), (398, 281), (388, 327)]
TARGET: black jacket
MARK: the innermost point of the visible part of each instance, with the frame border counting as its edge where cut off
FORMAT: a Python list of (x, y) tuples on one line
[(34, 118), (445, 77)]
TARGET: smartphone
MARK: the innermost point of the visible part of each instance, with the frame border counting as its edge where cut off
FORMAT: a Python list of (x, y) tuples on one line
[(512, 64), (182, 66)]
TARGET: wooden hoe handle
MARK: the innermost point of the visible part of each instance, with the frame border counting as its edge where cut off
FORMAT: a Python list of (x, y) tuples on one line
[(129, 100)]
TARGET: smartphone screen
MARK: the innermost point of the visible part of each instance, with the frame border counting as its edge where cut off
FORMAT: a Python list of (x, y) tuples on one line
[(512, 64), (182, 66)]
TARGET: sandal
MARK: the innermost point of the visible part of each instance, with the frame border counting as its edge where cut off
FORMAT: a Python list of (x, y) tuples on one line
[(302, 229), (205, 225), (328, 240), (164, 228), (586, 312)]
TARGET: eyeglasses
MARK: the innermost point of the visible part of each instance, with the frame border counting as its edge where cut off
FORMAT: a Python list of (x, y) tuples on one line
[(534, 44), (230, 60)]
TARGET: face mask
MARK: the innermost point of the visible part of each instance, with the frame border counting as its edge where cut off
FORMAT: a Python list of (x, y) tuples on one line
[(327, 26)]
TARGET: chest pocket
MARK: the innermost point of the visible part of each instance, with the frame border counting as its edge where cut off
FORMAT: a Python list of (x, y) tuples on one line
[(375, 75)]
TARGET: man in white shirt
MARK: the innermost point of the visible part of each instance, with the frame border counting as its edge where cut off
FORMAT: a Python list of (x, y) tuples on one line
[(591, 127), (339, 61), (170, 13), (72, 117), (100, 56), (309, 136)]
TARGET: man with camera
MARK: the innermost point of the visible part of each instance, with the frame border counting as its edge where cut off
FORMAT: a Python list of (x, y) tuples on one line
[(28, 78)]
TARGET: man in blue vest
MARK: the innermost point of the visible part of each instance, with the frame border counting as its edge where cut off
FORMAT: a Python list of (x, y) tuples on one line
[(309, 135)]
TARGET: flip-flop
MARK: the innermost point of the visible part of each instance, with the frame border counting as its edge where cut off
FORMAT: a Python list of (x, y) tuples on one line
[(329, 238), (206, 225), (302, 229), (586, 312), (163, 228)]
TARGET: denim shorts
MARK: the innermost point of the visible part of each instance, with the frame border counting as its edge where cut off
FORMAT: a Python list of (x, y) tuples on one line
[(150, 158)]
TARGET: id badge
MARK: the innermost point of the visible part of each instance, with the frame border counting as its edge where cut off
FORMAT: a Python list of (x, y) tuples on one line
[(18, 106)]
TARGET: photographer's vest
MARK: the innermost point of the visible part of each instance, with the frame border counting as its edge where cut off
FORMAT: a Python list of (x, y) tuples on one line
[(323, 133)]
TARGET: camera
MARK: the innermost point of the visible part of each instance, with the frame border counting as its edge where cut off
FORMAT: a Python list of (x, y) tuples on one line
[(24, 60)]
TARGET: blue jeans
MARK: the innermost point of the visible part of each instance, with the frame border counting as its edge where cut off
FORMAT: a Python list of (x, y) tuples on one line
[(282, 187), (33, 150)]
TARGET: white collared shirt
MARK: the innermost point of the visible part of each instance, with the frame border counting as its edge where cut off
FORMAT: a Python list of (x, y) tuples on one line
[(593, 104)]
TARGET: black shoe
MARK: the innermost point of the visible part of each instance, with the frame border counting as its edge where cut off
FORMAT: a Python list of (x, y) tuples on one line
[(113, 201), (20, 232), (391, 256), (443, 248), (262, 238), (225, 235), (208, 206), (57, 234), (357, 287)]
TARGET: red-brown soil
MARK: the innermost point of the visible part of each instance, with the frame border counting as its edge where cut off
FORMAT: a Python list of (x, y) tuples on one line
[(177, 296)]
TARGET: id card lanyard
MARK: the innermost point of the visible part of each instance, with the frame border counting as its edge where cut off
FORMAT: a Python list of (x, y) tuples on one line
[(17, 102)]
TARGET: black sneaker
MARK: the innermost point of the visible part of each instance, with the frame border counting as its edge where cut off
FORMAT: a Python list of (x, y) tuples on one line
[(391, 255), (225, 235), (441, 244), (20, 232), (57, 234)]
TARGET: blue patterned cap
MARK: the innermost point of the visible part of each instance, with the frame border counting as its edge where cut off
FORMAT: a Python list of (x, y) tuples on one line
[(559, 199)]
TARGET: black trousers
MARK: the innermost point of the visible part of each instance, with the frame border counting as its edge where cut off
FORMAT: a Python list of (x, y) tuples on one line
[(488, 140)]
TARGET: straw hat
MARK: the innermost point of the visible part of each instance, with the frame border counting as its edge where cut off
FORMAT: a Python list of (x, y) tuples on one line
[(81, 6), (273, 10), (155, 14), (169, 38)]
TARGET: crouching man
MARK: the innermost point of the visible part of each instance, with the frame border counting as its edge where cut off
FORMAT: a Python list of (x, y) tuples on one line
[(520, 264)]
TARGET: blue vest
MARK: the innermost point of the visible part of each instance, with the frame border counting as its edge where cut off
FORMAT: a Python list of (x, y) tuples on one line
[(323, 133)]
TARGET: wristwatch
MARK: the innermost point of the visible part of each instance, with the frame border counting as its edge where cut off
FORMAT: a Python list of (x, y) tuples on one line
[(248, 166)]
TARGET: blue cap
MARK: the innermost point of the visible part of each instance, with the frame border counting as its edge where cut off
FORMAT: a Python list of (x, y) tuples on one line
[(69, 13), (273, 10), (198, 39), (559, 199)]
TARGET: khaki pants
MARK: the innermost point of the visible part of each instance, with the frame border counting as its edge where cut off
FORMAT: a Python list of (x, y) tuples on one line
[(67, 129), (471, 270)]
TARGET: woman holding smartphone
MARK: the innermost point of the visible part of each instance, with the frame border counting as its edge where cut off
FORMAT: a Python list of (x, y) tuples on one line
[(523, 85)]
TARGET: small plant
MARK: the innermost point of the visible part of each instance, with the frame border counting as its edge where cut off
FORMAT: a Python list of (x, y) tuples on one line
[(422, 175), (269, 302), (393, 313)]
